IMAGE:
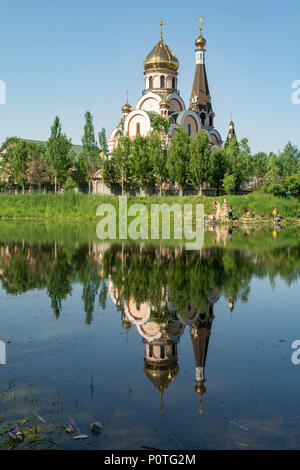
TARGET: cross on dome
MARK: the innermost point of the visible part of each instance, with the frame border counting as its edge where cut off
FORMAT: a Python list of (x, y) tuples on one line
[(161, 24)]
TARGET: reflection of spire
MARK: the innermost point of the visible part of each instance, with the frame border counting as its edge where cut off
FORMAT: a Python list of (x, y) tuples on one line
[(126, 325), (231, 306), (200, 334), (200, 390)]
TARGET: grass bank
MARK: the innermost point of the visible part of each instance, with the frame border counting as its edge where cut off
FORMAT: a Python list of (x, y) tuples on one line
[(77, 206)]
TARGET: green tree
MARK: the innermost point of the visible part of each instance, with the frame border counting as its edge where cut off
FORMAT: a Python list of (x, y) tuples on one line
[(90, 151), (103, 150), (20, 163), (160, 125), (199, 159), (228, 183), (239, 161), (158, 159), (60, 157), (140, 162), (288, 160), (179, 158), (38, 171), (217, 169)]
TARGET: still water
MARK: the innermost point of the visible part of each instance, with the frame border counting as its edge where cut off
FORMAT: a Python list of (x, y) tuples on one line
[(168, 349)]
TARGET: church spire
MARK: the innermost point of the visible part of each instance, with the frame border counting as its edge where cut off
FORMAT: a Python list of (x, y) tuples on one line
[(200, 98), (231, 132)]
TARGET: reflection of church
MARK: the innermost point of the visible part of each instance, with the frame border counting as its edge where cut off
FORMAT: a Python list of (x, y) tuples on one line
[(161, 339), (161, 96)]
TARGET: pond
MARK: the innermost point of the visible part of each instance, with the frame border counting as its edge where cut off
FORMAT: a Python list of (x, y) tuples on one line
[(166, 348)]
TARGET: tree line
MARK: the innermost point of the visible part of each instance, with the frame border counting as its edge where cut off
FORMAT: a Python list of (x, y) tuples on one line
[(142, 275), (145, 161), (53, 164)]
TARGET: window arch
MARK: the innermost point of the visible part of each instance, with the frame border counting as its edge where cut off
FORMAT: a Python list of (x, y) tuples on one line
[(162, 81), (150, 82), (211, 121), (202, 117), (189, 130), (173, 83), (138, 128)]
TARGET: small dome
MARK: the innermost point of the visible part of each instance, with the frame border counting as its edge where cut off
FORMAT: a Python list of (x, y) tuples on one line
[(127, 108), (200, 43), (164, 102), (161, 57)]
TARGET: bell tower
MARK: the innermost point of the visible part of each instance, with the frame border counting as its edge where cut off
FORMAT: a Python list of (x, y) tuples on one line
[(200, 101)]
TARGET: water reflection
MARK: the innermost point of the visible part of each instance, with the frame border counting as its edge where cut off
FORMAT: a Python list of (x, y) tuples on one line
[(165, 300), (159, 290), (161, 337)]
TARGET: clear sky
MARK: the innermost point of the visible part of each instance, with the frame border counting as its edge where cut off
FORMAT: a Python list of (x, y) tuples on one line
[(63, 57)]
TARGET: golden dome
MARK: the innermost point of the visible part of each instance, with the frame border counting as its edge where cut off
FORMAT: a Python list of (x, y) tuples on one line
[(164, 102), (200, 43), (161, 57), (127, 108)]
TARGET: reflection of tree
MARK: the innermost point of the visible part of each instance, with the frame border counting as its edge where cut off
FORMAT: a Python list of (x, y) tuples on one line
[(58, 283), (146, 274)]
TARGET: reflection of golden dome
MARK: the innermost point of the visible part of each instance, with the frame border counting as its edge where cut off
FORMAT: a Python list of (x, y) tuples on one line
[(200, 388), (126, 324), (161, 376), (200, 43), (161, 57)]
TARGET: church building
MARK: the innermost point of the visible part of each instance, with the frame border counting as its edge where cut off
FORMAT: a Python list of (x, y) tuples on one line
[(161, 96)]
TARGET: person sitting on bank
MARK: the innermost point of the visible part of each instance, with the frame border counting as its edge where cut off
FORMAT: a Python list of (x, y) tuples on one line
[(230, 213), (275, 214)]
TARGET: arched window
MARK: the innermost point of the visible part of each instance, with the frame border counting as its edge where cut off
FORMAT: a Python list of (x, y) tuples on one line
[(138, 128), (211, 121), (202, 117), (173, 83), (162, 352), (150, 82), (189, 130), (162, 81)]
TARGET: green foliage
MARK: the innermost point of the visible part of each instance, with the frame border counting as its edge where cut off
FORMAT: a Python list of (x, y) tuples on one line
[(239, 162), (158, 159), (140, 161), (217, 169), (228, 183), (199, 164), (179, 157), (60, 156), (160, 125)]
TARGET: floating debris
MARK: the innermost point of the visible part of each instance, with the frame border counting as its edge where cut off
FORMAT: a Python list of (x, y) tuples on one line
[(16, 435), (242, 444), (81, 436), (69, 428), (96, 428)]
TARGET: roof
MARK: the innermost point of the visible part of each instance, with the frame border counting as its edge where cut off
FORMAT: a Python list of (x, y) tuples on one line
[(75, 148), (200, 89)]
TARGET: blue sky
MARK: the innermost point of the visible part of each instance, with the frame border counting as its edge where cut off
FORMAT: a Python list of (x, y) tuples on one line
[(65, 57)]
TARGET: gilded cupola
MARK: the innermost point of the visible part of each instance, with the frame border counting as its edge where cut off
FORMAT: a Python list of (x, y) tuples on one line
[(161, 56), (200, 41), (126, 109)]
